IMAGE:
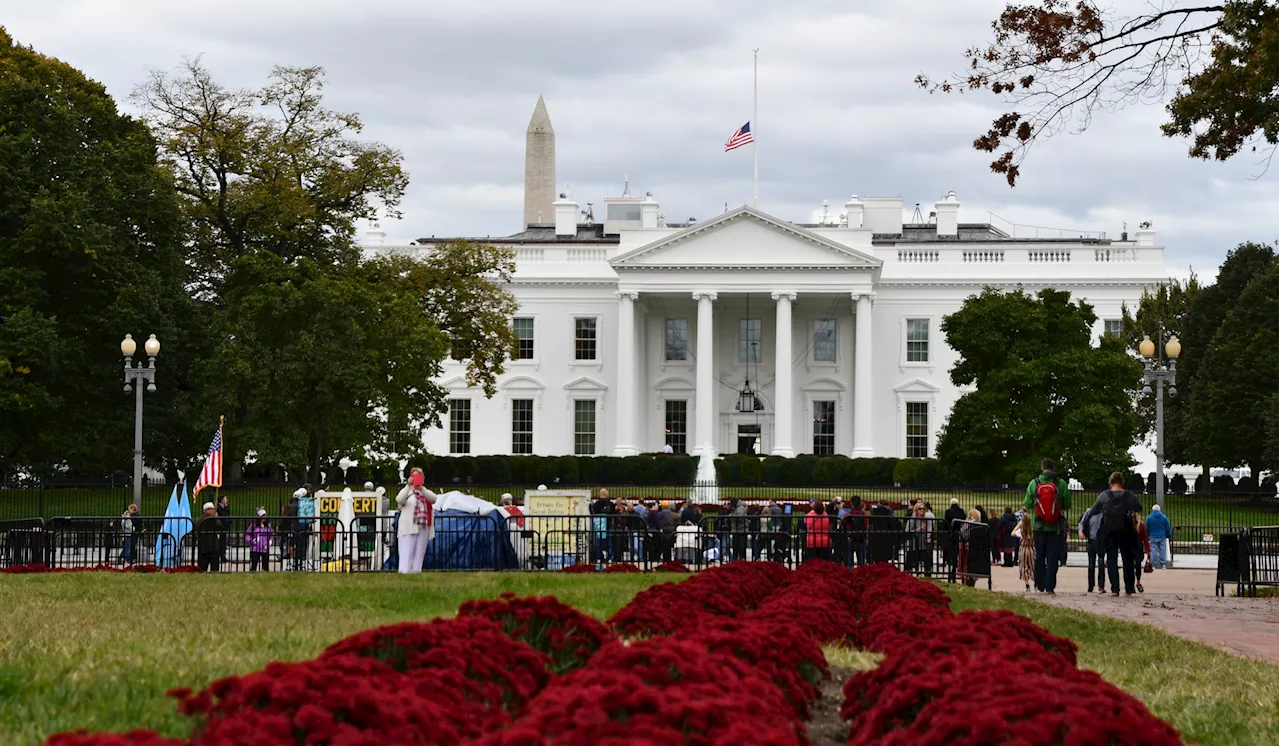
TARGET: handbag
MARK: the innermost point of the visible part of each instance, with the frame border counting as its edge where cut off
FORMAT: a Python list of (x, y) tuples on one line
[(1147, 568)]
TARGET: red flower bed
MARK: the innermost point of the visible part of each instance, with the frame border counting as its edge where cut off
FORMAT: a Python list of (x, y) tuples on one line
[(981, 629), (792, 662), (339, 700), (826, 620), (621, 567), (468, 659), (908, 619), (993, 708), (581, 567), (672, 567), (722, 591), (36, 569), (567, 636), (663, 691)]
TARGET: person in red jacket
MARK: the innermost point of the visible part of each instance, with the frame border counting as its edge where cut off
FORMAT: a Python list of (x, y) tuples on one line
[(817, 532), (1144, 547)]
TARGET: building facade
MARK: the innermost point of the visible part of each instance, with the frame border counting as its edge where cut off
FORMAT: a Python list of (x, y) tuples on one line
[(747, 333)]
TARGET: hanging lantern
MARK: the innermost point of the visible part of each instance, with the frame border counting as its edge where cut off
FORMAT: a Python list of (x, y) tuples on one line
[(747, 401)]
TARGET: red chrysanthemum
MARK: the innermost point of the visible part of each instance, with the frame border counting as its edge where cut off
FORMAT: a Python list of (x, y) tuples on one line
[(567, 636)]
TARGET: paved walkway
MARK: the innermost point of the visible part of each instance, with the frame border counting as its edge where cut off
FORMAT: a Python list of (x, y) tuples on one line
[(1180, 602)]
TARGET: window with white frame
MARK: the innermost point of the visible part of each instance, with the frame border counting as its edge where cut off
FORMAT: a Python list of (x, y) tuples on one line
[(677, 340), (1114, 327), (523, 328), (584, 427), (584, 338), (917, 429), (677, 425), (824, 428), (522, 426), (824, 340), (459, 426), (917, 340), (749, 340)]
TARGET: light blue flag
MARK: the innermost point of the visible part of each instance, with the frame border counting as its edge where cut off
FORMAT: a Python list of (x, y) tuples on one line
[(165, 544), (184, 525)]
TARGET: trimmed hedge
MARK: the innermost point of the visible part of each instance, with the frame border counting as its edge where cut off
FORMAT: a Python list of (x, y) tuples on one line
[(563, 471), (807, 470)]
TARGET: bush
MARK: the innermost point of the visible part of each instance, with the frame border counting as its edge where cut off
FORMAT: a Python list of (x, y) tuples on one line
[(1247, 484), (1202, 484), (493, 469), (775, 470), (831, 470), (1134, 482), (1178, 485), (933, 474), (1224, 483), (905, 472)]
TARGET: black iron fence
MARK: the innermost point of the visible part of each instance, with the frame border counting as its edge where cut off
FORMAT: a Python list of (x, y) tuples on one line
[(1249, 559), (1197, 519), (921, 546)]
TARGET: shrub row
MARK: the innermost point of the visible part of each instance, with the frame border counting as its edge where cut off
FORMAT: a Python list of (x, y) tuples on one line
[(807, 470), (645, 469)]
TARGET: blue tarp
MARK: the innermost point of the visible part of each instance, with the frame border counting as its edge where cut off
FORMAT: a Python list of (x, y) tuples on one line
[(466, 541)]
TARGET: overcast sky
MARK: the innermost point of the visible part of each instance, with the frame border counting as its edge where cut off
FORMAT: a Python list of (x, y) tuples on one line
[(650, 90)]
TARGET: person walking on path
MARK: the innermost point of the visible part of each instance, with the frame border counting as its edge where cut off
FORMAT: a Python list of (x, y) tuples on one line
[(1048, 499), (127, 552), (1090, 527), (1141, 549), (1160, 532), (1118, 507), (417, 526), (1027, 560)]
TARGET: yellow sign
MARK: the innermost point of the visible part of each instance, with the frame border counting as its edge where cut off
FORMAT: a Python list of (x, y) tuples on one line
[(554, 517), (362, 505)]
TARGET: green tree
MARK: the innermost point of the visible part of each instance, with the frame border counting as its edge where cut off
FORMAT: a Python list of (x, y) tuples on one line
[(1163, 313), (90, 248), (319, 352), (1041, 389), (1056, 63), (1233, 396)]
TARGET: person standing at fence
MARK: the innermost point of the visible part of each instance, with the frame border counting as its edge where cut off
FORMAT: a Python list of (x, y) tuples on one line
[(224, 512), (417, 522), (128, 552), (304, 513), (817, 533), (1049, 499), (1008, 542), (1090, 529), (208, 540), (1120, 537), (919, 553), (1160, 532), (258, 537)]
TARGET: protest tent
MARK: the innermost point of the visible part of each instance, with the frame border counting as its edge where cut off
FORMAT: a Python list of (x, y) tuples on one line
[(471, 534)]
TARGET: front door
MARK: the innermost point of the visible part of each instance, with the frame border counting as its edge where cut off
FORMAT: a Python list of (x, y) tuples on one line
[(749, 439)]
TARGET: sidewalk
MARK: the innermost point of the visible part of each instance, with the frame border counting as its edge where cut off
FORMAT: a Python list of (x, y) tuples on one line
[(1180, 602)]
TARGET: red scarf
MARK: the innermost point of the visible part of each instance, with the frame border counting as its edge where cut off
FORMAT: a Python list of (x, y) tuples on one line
[(422, 513)]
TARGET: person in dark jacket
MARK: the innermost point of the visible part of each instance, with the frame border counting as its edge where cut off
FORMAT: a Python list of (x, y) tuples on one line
[(1008, 542), (1090, 528), (209, 540), (224, 512), (1120, 539)]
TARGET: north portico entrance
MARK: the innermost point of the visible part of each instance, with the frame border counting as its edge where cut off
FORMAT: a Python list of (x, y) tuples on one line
[(759, 300)]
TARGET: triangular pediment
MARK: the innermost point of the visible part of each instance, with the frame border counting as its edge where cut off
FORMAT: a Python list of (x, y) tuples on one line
[(585, 384), (745, 238), (917, 386)]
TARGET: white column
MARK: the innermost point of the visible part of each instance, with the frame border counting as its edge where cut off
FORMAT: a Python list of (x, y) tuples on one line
[(862, 391), (625, 442), (704, 389), (782, 413)]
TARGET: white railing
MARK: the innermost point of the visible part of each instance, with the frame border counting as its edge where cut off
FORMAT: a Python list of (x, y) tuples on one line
[(586, 255), (917, 256), (529, 255), (1117, 254), (1048, 255), (993, 256)]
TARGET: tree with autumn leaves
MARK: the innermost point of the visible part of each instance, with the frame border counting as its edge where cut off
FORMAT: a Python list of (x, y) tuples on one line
[(1056, 63)]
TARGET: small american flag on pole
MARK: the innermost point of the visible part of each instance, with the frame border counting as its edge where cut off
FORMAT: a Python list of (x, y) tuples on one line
[(738, 139), (211, 474)]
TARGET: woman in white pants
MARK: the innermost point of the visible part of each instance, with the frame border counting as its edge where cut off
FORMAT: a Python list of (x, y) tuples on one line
[(417, 522)]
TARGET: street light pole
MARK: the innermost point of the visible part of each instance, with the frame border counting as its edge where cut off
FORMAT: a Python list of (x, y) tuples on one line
[(134, 378), (1157, 371)]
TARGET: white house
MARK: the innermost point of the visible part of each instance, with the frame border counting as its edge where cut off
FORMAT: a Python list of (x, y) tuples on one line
[(747, 332)]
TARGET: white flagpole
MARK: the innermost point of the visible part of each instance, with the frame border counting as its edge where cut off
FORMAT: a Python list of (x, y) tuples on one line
[(755, 129)]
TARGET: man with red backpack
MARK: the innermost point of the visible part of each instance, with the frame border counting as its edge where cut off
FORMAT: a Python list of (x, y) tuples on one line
[(1048, 500)]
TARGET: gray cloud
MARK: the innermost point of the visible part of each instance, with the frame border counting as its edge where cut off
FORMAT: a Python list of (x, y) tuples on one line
[(651, 90)]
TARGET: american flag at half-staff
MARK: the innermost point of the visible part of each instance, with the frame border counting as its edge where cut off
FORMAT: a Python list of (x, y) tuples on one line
[(738, 139), (211, 474)]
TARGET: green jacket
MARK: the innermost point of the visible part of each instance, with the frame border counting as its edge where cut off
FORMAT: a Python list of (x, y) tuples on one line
[(1064, 492)]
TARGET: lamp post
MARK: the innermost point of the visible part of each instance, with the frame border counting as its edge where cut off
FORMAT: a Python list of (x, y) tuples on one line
[(134, 377), (1159, 371)]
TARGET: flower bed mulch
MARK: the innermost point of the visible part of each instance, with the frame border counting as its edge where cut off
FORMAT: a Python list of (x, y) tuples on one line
[(731, 656)]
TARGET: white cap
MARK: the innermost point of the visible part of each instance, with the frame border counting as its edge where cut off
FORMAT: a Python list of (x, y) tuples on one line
[(506, 497), (208, 506), (368, 486), (299, 492), (542, 486), (262, 511)]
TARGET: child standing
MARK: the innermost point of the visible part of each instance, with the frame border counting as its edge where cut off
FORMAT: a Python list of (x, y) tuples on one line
[(258, 537), (1027, 563)]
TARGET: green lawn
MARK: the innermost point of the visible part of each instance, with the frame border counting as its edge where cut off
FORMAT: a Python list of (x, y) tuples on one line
[(98, 651)]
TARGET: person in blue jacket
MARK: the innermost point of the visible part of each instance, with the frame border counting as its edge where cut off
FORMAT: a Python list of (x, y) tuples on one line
[(1159, 532)]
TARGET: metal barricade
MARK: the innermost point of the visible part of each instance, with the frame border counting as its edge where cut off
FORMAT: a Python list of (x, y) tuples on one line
[(1261, 547), (23, 542)]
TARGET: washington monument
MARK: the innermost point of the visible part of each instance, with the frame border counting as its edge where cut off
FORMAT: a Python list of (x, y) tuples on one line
[(539, 167)]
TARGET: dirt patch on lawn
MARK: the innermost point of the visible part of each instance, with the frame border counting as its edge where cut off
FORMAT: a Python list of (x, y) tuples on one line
[(825, 726)]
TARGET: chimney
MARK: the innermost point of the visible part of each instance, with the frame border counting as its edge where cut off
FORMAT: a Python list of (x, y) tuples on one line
[(375, 236), (853, 212), (649, 211), (948, 215), (566, 216), (1145, 235)]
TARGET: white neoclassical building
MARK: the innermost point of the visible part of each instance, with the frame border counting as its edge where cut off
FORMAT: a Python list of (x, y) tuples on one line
[(747, 332)]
